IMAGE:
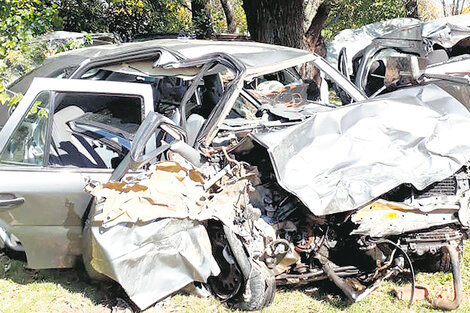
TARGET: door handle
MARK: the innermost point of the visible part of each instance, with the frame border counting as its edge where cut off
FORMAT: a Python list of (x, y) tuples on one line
[(10, 201)]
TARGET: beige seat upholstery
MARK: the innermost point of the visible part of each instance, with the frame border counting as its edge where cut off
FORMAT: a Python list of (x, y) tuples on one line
[(68, 149)]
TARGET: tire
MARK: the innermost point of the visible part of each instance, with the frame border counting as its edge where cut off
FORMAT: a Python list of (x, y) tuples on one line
[(230, 285), (440, 262), (260, 292)]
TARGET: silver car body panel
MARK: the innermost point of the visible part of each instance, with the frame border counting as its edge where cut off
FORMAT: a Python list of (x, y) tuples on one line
[(341, 159), (445, 31), (48, 223), (356, 40), (151, 261), (153, 224)]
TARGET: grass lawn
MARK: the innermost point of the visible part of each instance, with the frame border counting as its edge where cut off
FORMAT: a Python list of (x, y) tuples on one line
[(23, 290)]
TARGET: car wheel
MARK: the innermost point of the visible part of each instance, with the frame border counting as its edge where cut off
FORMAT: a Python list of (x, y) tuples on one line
[(230, 285), (259, 290)]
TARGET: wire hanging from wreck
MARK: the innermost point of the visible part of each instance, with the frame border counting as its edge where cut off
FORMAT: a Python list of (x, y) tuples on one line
[(413, 278)]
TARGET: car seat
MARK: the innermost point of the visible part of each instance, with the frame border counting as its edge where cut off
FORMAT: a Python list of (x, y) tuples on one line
[(69, 149)]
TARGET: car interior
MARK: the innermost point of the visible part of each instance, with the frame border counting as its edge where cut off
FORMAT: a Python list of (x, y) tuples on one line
[(83, 123), (96, 131)]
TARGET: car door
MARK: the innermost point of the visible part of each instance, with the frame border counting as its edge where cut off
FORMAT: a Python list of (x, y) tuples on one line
[(44, 167)]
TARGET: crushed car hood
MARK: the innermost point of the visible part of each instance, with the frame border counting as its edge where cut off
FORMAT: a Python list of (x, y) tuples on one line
[(343, 158)]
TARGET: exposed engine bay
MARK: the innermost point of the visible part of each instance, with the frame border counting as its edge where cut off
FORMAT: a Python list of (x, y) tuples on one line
[(357, 250)]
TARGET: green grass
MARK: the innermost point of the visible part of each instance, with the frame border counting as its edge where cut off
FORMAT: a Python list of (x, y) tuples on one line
[(23, 290)]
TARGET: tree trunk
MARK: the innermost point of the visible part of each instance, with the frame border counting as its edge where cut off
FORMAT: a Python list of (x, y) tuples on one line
[(444, 7), (275, 21), (313, 41), (202, 21), (313, 34), (228, 10), (282, 22), (310, 9)]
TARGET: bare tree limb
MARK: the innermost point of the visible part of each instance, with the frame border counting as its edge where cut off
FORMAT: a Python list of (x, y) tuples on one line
[(444, 7), (313, 32), (228, 10), (310, 9)]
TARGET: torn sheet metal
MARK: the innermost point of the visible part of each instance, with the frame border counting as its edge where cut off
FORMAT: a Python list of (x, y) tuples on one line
[(153, 260), (455, 66), (341, 159), (167, 190), (173, 190), (357, 39), (384, 218), (445, 31), (147, 234)]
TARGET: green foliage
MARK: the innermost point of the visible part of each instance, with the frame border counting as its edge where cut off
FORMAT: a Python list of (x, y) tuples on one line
[(20, 22), (219, 21), (127, 18), (9, 100), (346, 14), (37, 110), (82, 15)]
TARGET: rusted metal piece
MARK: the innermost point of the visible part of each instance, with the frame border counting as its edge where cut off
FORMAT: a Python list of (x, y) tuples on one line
[(458, 287), (404, 293), (340, 282)]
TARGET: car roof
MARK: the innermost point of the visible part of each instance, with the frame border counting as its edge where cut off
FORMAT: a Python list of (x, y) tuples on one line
[(258, 58), (251, 54)]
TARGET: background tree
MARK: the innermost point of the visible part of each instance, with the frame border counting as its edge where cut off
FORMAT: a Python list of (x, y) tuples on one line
[(202, 18), (453, 7), (411, 8), (275, 21), (21, 21), (84, 15), (126, 18), (228, 16), (228, 10), (429, 10), (356, 13)]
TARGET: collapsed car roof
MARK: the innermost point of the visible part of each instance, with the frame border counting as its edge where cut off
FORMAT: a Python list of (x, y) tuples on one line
[(254, 56)]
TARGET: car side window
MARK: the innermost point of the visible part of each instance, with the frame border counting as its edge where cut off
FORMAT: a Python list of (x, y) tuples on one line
[(93, 130), (27, 143)]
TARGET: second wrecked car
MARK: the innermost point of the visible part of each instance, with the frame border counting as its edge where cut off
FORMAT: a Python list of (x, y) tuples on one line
[(398, 53)]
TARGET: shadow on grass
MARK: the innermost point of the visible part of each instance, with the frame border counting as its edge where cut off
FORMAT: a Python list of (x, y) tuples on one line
[(324, 291), (328, 293), (106, 294)]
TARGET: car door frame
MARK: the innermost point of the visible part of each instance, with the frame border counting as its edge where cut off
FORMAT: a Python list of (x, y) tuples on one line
[(56, 246)]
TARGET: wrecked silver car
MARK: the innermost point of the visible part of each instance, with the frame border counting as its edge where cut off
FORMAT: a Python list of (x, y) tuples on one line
[(241, 177), (397, 53)]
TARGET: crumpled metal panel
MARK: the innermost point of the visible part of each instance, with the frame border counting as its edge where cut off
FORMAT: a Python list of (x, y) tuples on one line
[(341, 159), (460, 92), (447, 31), (357, 39), (386, 218), (146, 233), (153, 260)]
